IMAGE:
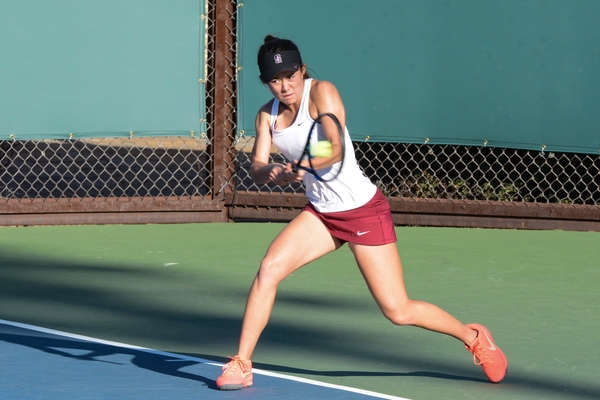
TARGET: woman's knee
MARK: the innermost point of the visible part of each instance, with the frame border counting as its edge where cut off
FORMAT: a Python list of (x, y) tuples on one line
[(271, 271), (399, 314)]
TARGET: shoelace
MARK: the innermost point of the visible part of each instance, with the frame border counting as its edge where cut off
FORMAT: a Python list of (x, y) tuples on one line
[(232, 365), (480, 356)]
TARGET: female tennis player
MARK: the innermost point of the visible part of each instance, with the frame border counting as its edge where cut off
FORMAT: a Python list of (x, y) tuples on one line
[(349, 209)]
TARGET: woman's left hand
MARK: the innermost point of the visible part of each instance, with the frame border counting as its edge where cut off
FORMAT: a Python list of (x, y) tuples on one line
[(293, 176)]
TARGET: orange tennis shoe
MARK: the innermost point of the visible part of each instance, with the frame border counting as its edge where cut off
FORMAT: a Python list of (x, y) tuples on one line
[(487, 354), (236, 374)]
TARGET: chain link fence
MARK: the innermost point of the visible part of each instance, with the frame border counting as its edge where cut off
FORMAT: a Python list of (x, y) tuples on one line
[(180, 167), (460, 172), (104, 168)]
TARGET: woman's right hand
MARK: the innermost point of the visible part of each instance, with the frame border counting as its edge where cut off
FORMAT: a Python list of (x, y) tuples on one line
[(281, 174)]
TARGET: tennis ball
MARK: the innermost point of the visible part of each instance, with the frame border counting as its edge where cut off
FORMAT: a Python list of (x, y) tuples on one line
[(321, 149)]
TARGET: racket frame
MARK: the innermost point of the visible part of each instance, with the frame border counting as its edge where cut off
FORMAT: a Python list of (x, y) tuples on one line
[(306, 152)]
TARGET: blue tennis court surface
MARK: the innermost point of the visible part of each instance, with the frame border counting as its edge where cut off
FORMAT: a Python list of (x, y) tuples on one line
[(38, 363)]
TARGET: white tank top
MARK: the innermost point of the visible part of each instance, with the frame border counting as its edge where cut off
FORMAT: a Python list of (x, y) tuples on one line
[(350, 189)]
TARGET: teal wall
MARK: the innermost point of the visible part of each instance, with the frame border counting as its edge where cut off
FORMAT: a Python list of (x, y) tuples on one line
[(514, 73), (99, 68)]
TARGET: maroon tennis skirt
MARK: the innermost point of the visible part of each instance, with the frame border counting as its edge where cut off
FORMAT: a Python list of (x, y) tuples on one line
[(370, 224)]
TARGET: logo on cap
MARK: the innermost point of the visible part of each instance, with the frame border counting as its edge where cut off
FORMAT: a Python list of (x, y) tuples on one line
[(278, 59)]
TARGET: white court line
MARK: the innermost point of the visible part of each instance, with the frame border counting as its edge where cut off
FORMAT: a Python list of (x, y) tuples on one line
[(198, 360)]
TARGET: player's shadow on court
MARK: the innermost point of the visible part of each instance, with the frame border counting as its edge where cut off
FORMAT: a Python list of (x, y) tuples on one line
[(94, 352), (164, 364), (339, 374)]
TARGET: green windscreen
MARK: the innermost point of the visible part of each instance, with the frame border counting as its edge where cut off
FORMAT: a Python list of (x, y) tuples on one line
[(509, 73), (100, 68)]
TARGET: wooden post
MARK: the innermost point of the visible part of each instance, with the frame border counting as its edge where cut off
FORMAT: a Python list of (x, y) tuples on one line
[(221, 95)]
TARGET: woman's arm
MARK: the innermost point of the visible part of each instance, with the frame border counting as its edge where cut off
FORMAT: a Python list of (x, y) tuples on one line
[(260, 170), (325, 99)]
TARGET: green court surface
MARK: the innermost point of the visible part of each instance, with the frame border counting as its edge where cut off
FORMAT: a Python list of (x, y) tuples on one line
[(182, 288)]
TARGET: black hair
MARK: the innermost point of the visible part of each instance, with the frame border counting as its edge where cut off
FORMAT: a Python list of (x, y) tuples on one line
[(274, 44)]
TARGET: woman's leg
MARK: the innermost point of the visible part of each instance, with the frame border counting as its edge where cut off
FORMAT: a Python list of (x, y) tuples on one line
[(303, 240), (382, 269)]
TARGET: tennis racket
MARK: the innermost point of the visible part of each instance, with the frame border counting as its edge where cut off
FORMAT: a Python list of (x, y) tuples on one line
[(325, 144)]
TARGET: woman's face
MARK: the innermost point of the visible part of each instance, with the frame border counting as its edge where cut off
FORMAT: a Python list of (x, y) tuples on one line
[(287, 86)]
